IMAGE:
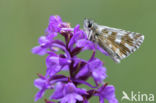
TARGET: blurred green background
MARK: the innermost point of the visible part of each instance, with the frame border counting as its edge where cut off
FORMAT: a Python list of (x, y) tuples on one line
[(23, 21)]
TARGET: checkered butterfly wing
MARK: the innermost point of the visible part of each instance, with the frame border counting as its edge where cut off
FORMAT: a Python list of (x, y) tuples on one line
[(119, 43)]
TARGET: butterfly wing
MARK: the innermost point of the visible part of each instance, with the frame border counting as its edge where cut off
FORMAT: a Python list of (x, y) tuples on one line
[(119, 43)]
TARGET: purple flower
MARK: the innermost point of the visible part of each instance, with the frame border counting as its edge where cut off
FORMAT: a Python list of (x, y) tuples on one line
[(89, 45), (77, 35), (56, 63), (95, 68), (68, 93), (42, 84), (107, 92), (56, 24), (45, 42), (62, 55)]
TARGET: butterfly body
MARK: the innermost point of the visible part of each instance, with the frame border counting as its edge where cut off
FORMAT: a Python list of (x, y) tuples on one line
[(117, 42)]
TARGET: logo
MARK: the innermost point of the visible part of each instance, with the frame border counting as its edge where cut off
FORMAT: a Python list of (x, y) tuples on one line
[(137, 96)]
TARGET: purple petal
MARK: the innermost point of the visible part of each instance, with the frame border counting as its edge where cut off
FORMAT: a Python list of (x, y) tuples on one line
[(101, 99), (40, 94), (81, 91), (95, 63), (68, 99), (50, 36), (78, 60), (53, 70), (77, 28), (84, 82), (55, 19), (66, 30), (71, 98), (42, 40), (99, 74), (82, 72), (62, 48), (78, 97), (54, 23), (55, 64), (39, 83), (89, 45), (58, 91), (113, 101), (98, 71), (65, 68), (64, 100), (107, 92), (64, 61), (69, 88), (78, 34), (59, 42), (86, 44), (39, 50), (102, 50)]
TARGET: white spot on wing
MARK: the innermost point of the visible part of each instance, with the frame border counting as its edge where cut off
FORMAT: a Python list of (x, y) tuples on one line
[(128, 46), (120, 34), (109, 33), (142, 37), (116, 59), (110, 45), (134, 49), (131, 35), (117, 51), (118, 37), (118, 40), (137, 46), (123, 56), (100, 28)]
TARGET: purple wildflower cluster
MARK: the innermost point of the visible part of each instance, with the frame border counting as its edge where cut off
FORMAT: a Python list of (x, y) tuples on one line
[(66, 88)]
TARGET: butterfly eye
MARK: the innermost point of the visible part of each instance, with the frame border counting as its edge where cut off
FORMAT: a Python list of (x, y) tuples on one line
[(89, 24), (96, 34)]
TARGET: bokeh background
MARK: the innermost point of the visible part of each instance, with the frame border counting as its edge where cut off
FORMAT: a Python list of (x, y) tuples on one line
[(23, 21)]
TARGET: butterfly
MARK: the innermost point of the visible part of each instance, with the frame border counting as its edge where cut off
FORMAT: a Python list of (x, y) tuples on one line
[(117, 42)]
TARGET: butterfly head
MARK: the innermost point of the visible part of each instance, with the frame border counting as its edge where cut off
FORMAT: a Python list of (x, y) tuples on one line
[(89, 27), (89, 24)]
